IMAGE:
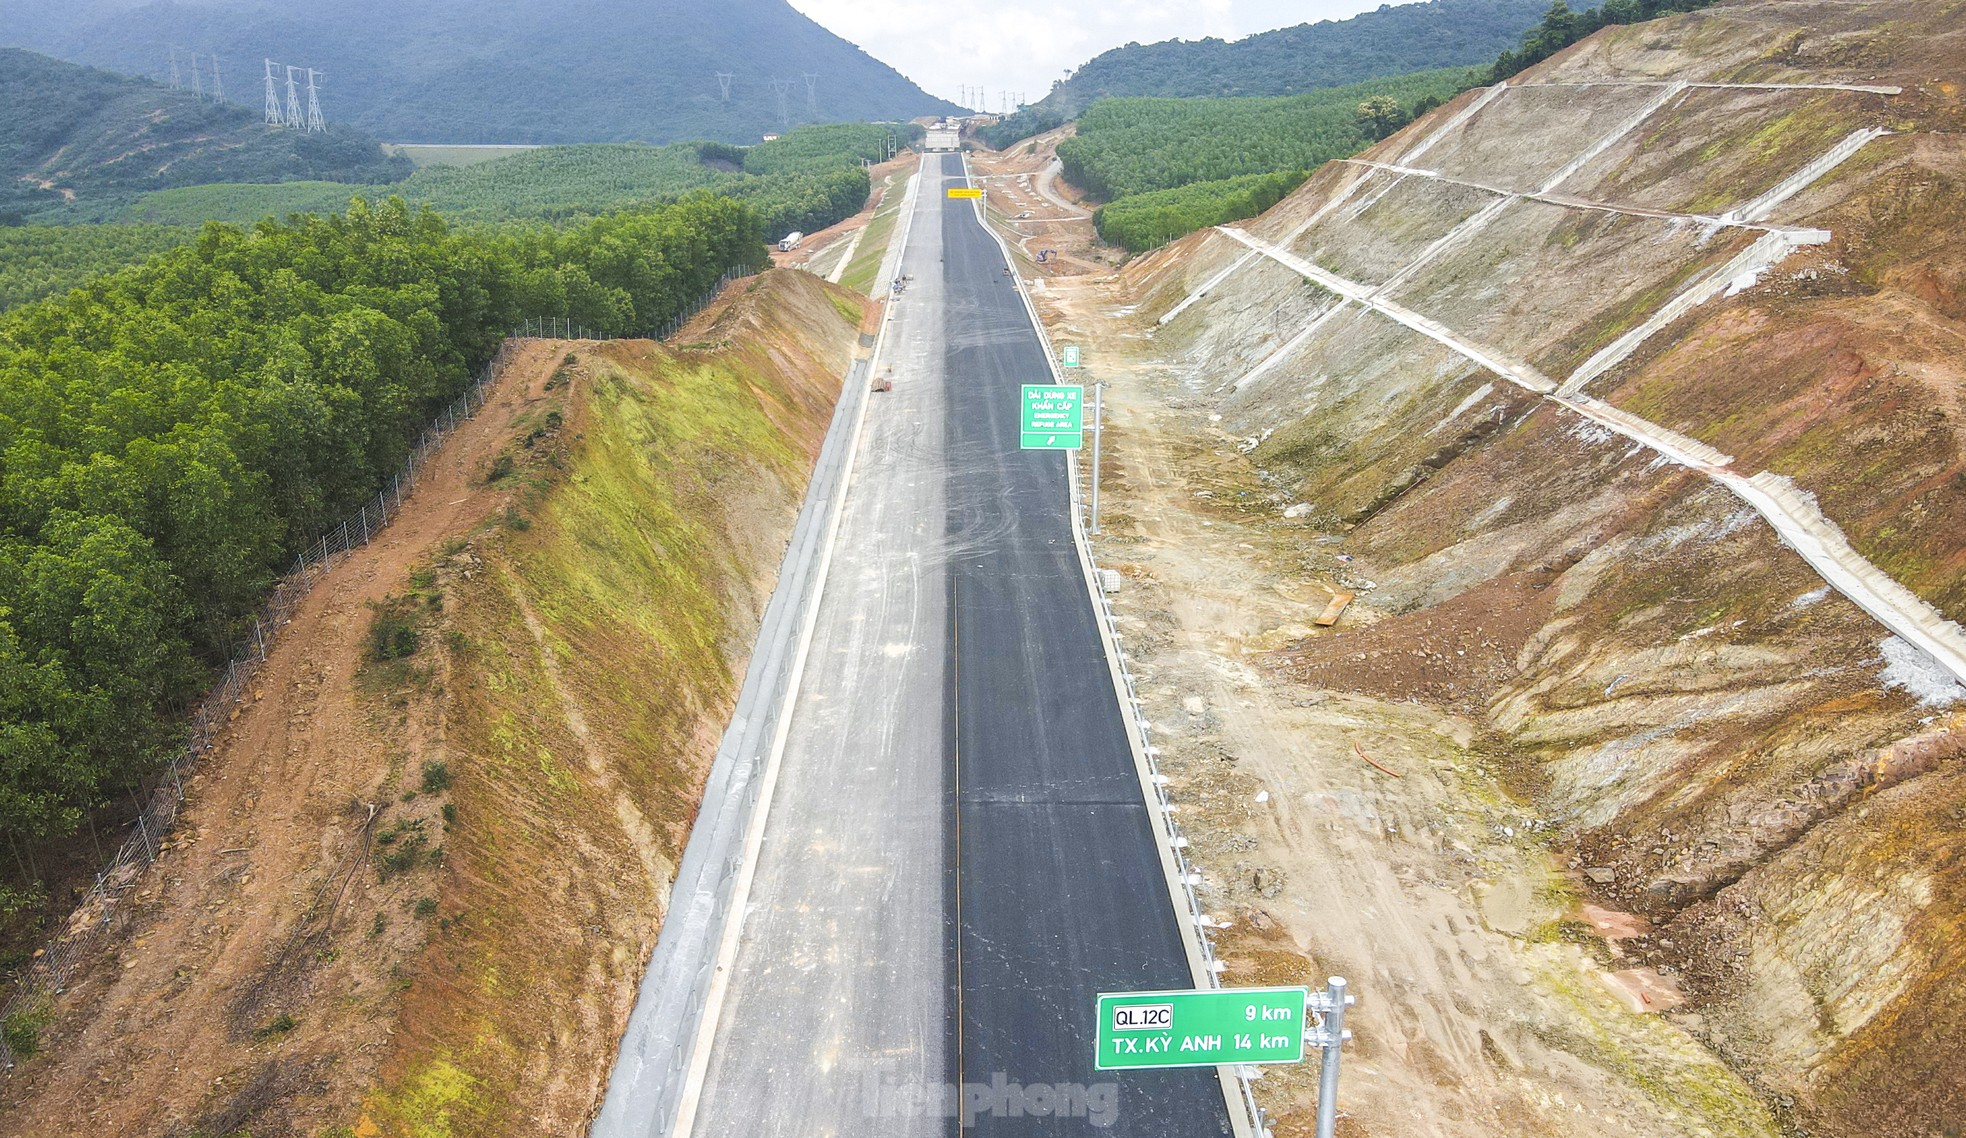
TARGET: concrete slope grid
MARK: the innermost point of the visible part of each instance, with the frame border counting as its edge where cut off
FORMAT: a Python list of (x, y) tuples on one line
[(1794, 514)]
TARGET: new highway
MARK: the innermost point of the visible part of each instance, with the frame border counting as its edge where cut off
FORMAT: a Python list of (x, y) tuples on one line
[(958, 856)]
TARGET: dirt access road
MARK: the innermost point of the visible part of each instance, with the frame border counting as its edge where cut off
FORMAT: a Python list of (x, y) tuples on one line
[(1036, 210)]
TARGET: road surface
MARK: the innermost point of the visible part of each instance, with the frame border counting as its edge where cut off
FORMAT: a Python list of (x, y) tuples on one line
[(958, 857)]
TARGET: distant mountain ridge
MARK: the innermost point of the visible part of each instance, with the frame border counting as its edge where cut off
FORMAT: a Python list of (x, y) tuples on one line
[(1392, 40), (512, 71), (70, 133)]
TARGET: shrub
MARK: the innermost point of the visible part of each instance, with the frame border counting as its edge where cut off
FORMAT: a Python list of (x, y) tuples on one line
[(393, 636), (22, 1031), (436, 776)]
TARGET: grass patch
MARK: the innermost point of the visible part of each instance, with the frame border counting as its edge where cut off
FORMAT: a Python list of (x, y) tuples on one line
[(859, 275), (279, 1025)]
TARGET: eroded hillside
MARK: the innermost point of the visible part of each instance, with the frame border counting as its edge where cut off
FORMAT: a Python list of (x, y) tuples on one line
[(1626, 397), (416, 884)]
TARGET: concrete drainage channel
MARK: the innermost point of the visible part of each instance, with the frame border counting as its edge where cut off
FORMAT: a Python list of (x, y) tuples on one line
[(666, 1047)]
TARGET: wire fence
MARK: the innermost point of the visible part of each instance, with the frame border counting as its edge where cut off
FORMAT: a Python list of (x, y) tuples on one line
[(566, 328), (50, 969), (52, 966)]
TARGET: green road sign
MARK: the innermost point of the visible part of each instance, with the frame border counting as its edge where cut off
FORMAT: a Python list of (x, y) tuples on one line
[(1200, 1029), (1054, 417), (1069, 356)]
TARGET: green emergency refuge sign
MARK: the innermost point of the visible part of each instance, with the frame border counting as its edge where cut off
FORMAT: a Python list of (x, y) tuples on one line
[(1140, 1030), (1054, 417)]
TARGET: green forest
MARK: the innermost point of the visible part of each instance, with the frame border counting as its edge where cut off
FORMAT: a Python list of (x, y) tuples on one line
[(1215, 152), (1393, 40), (42, 260), (172, 432), (1152, 219), (807, 180)]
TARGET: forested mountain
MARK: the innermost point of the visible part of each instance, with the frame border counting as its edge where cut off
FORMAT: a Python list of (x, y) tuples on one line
[(1393, 40), (69, 132), (518, 71)]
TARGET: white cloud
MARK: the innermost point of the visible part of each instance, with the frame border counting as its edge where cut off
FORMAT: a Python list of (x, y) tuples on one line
[(1024, 45)]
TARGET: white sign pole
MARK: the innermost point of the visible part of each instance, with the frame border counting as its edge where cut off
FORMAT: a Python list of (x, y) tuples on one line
[(1098, 436)]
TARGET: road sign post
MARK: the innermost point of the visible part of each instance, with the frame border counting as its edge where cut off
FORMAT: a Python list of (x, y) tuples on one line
[(1068, 356), (1098, 438), (1053, 417), (1330, 1004)]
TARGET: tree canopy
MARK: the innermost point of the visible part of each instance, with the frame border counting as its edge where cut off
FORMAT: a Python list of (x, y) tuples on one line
[(172, 432)]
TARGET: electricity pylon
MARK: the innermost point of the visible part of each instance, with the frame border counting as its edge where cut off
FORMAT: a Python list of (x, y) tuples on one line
[(812, 96), (218, 83), (784, 88), (294, 120), (176, 80), (272, 98), (723, 83), (315, 123)]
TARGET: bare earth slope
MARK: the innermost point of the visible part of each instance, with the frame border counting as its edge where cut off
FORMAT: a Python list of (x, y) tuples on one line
[(413, 896), (1533, 378)]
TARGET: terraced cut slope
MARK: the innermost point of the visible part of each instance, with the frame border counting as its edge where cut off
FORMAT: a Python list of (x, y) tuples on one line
[(1630, 394), (417, 882)]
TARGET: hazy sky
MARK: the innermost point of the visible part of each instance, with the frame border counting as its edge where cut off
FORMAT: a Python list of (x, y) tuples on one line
[(1022, 45)]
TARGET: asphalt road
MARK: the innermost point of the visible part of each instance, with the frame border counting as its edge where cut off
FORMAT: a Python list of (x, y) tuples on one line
[(958, 857)]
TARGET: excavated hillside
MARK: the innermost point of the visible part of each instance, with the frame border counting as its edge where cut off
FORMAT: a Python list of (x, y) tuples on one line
[(416, 885), (1627, 399)]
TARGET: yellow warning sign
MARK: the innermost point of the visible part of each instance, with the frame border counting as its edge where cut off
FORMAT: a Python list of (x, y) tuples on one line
[(960, 192)]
